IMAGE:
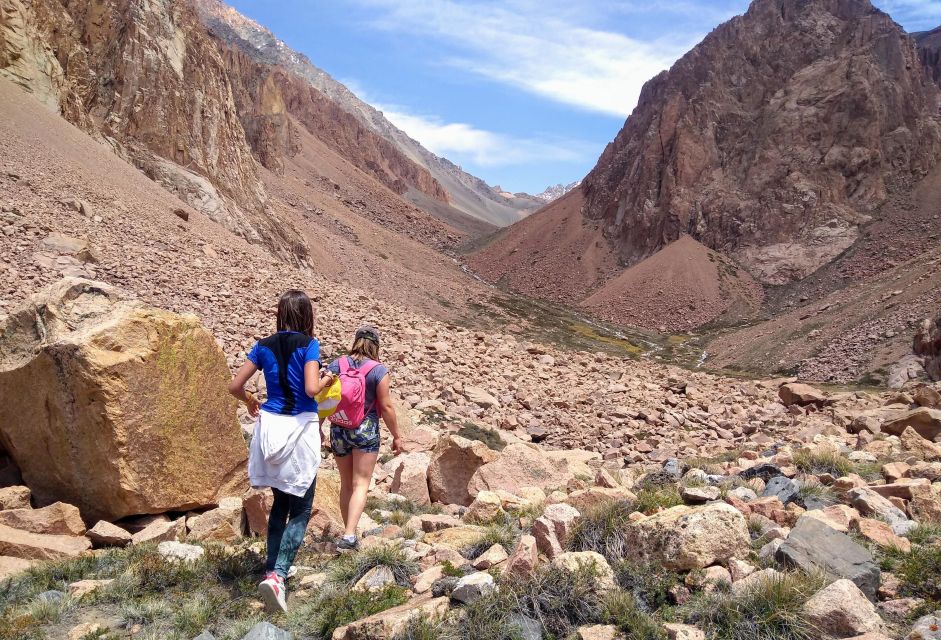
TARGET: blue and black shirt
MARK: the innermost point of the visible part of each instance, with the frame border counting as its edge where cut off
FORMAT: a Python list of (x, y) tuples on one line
[(282, 357)]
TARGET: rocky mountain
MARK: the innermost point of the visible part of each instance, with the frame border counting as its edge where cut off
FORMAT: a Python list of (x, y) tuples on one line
[(799, 142), (773, 140), (557, 191), (461, 190)]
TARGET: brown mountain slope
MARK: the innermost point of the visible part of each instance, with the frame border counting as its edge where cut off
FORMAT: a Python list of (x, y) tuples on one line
[(773, 139)]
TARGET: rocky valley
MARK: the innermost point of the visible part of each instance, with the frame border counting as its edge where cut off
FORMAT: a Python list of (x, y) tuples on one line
[(169, 168)]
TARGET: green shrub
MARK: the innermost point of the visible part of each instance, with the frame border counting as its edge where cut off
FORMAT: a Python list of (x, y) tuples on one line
[(818, 462), (601, 529), (621, 610), (487, 618), (653, 497), (488, 436), (421, 629), (559, 599), (770, 609), (813, 489), (502, 534), (317, 618), (348, 569), (920, 572), (649, 585), (925, 533), (145, 611)]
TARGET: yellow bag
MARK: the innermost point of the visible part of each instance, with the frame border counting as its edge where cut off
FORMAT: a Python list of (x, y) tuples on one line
[(328, 399)]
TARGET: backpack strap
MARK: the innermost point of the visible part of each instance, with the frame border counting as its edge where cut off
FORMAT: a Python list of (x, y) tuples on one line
[(369, 366), (344, 364)]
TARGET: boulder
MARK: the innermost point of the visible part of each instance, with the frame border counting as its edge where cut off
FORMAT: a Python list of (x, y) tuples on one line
[(375, 579), (58, 518), (598, 632), (454, 462), (392, 622), (683, 632), (473, 587), (14, 498), (410, 477), (10, 566), (881, 534), (927, 422), (454, 537), (524, 558), (105, 534), (926, 628), (812, 545), (575, 560), (520, 465), (927, 343), (84, 587), (267, 631), (161, 531), (480, 397), (37, 546), (491, 557), (699, 495), (222, 524), (782, 488), (842, 610), (554, 528), (685, 538), (926, 396), (173, 551), (486, 507), (111, 405), (923, 449), (870, 503), (802, 395), (256, 505)]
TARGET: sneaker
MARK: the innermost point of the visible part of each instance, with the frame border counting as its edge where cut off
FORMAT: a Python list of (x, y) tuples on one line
[(273, 592), (347, 545)]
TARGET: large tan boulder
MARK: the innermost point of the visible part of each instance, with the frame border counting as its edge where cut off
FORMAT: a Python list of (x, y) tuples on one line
[(116, 407), (10, 567), (453, 463), (14, 498), (58, 518), (843, 611), (686, 538), (410, 477), (802, 395), (927, 422), (520, 465), (222, 524), (391, 623), (37, 546)]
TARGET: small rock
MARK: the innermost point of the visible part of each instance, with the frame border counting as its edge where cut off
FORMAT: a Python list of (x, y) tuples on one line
[(172, 551), (267, 631), (472, 587)]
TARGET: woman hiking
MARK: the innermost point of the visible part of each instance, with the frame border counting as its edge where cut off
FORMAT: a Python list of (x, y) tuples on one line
[(354, 435), (285, 447)]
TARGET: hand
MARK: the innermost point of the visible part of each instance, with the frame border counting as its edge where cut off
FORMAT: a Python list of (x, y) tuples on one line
[(396, 446), (252, 404)]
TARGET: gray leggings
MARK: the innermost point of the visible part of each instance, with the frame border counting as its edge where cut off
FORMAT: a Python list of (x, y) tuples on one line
[(287, 525)]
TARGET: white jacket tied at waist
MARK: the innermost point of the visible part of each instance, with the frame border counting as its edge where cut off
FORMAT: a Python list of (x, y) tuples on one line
[(285, 452)]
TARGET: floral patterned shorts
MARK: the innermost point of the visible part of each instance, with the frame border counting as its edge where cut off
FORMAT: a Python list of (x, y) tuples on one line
[(365, 437)]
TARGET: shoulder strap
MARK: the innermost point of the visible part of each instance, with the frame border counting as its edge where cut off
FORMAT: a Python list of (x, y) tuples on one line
[(344, 363), (369, 366)]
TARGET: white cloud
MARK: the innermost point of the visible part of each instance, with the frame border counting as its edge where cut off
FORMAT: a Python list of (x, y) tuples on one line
[(537, 47), (924, 13), (463, 142)]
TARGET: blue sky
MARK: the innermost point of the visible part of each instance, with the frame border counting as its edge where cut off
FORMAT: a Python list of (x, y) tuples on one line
[(522, 93)]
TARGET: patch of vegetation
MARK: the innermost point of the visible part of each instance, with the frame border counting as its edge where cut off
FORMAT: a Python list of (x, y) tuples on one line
[(813, 490), (920, 572), (421, 629), (347, 570), (713, 464), (648, 585), (621, 610), (449, 570), (561, 600), (318, 617), (488, 618), (397, 511), (770, 609), (488, 436), (653, 497), (819, 462), (925, 533), (601, 529), (493, 534)]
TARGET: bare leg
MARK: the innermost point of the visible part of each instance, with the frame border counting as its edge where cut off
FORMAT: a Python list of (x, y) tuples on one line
[(363, 465), (345, 465)]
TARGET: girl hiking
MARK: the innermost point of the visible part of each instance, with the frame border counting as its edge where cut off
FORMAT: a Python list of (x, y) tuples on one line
[(354, 427), (285, 447)]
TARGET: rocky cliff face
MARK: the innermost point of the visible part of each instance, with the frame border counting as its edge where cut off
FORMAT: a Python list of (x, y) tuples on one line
[(147, 78), (268, 97), (772, 139), (464, 191)]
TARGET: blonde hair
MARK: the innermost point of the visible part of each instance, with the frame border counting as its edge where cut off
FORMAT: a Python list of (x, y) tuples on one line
[(364, 349)]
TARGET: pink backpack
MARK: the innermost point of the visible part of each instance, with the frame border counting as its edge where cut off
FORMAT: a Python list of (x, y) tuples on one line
[(351, 411)]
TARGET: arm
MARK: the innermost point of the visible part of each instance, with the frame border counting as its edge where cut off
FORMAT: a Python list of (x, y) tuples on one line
[(314, 383), (387, 410), (237, 387)]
